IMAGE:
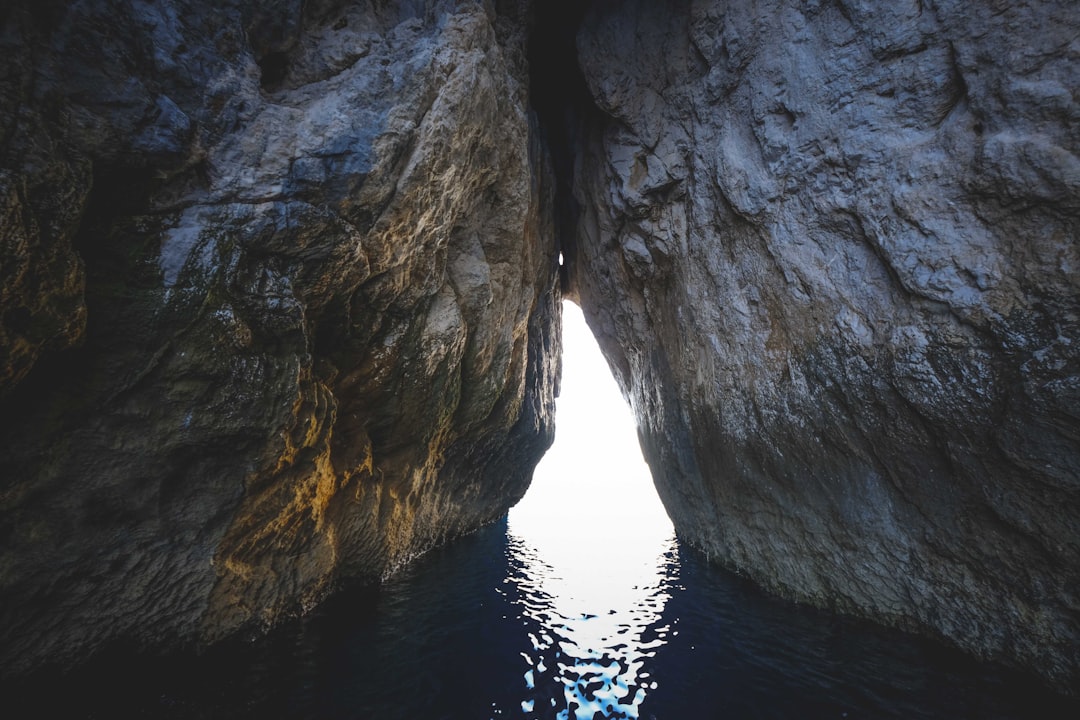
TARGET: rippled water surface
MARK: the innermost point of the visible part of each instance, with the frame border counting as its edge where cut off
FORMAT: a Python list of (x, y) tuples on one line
[(581, 604), (473, 632), (593, 557), (679, 638)]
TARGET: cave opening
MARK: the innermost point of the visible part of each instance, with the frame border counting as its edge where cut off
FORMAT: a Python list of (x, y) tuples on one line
[(593, 488), (596, 459), (592, 549)]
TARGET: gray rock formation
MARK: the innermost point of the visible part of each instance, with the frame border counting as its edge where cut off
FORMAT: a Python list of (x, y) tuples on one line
[(278, 299), (831, 252), (279, 306)]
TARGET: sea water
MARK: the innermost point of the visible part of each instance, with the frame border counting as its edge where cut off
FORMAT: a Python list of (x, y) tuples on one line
[(580, 605), (492, 627)]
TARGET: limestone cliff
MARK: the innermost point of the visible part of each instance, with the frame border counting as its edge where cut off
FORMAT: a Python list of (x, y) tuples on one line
[(278, 298), (831, 252), (278, 305)]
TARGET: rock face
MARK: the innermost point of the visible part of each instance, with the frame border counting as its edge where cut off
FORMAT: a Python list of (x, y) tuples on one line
[(278, 305), (278, 298), (832, 252)]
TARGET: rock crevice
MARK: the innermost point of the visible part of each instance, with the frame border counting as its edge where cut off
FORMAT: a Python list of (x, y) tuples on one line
[(280, 284)]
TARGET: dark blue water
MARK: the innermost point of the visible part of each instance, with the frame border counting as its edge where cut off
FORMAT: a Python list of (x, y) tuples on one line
[(468, 632), (581, 605)]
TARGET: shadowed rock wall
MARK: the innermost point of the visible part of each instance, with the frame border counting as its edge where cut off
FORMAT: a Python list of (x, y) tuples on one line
[(831, 252), (278, 299), (278, 305)]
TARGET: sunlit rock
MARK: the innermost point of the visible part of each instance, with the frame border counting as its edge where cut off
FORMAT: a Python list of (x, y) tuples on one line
[(311, 249)]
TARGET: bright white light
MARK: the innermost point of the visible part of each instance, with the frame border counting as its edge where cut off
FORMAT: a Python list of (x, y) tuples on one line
[(595, 464), (594, 469), (594, 545)]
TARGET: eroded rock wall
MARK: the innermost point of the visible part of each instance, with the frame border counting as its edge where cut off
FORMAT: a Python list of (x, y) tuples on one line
[(278, 301), (831, 252), (279, 305)]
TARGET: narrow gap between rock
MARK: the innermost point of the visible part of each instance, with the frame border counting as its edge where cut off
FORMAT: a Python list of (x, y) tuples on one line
[(565, 112)]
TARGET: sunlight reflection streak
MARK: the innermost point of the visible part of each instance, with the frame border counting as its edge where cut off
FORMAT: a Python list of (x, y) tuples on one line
[(593, 551)]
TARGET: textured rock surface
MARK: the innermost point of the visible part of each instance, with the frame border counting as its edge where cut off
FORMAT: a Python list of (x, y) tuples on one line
[(302, 251), (278, 303), (831, 250)]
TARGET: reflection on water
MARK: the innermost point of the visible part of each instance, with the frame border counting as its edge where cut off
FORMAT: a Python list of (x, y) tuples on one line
[(590, 644), (580, 605), (454, 636), (592, 555)]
